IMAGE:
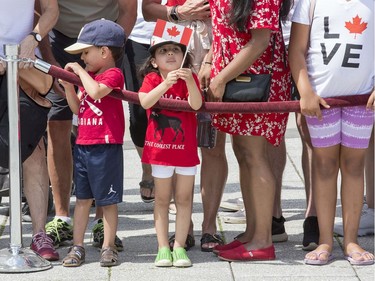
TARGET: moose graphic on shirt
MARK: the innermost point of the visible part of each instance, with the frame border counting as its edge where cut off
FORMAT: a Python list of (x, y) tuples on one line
[(164, 122)]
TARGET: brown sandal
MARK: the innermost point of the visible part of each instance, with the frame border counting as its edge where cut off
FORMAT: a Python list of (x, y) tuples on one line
[(75, 256), (109, 257)]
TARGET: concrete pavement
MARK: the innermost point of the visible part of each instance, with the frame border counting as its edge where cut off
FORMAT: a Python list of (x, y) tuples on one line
[(137, 232)]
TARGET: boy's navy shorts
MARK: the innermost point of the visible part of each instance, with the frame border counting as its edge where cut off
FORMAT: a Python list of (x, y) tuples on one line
[(99, 173)]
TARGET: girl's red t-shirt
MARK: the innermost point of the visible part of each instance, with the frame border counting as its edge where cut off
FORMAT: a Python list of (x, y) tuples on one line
[(171, 136)]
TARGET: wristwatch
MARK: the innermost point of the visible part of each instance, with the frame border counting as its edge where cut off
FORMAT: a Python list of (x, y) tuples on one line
[(174, 15), (36, 36)]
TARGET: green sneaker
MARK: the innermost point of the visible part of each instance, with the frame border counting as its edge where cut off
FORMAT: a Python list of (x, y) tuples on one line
[(98, 236), (60, 232), (164, 257), (180, 258)]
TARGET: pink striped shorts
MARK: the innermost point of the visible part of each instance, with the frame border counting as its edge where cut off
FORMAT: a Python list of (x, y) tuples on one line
[(349, 126)]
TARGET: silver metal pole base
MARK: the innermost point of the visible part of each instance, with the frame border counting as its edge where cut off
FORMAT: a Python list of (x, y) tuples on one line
[(15, 259)]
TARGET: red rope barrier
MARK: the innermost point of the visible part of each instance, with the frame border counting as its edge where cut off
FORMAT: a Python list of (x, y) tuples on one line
[(217, 107)]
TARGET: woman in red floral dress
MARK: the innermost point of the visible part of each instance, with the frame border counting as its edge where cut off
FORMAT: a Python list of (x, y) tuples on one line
[(246, 39)]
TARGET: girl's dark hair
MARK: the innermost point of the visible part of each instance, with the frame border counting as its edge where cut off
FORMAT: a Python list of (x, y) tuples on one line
[(241, 10), (147, 67)]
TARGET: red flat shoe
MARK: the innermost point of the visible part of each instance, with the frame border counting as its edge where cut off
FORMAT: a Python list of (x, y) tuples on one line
[(242, 254), (234, 244)]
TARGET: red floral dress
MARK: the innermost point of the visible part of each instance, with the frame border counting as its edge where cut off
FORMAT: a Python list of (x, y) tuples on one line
[(227, 42)]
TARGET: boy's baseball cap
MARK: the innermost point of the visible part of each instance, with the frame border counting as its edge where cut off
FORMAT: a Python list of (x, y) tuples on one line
[(98, 33)]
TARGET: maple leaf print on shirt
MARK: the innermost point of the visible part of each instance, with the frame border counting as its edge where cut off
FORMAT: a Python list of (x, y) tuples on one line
[(356, 26)]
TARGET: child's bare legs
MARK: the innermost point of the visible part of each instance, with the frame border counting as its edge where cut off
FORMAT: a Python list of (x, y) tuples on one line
[(325, 167), (81, 217), (183, 199), (163, 195), (173, 204), (110, 219), (352, 167), (98, 213)]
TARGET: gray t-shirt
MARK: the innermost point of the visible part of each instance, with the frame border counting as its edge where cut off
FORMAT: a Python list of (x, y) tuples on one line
[(74, 14)]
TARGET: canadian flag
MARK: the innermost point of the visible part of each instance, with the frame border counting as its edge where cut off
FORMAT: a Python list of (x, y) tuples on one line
[(168, 31)]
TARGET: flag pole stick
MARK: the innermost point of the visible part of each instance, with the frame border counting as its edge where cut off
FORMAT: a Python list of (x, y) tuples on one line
[(187, 50)]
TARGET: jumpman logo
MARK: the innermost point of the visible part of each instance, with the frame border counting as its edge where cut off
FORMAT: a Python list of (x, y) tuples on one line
[(111, 190)]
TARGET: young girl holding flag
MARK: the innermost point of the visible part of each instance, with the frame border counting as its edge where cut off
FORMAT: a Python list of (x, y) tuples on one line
[(171, 143)]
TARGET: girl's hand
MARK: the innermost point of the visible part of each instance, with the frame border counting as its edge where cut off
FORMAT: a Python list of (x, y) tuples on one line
[(310, 105), (171, 78), (371, 101), (215, 90), (185, 74)]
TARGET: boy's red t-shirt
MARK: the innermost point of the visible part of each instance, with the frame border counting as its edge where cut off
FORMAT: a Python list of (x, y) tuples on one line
[(102, 121)]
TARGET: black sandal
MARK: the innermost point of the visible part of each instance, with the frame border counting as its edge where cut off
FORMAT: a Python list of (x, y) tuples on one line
[(190, 242), (210, 238), (148, 185)]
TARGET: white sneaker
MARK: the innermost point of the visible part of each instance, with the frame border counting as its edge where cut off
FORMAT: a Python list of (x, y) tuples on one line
[(235, 204), (366, 223), (238, 217)]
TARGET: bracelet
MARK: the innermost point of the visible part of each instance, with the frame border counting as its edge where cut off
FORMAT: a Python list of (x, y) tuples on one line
[(173, 14), (208, 62)]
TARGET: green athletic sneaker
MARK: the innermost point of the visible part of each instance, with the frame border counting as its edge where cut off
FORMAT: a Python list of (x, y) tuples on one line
[(98, 237), (164, 257), (180, 258), (60, 232)]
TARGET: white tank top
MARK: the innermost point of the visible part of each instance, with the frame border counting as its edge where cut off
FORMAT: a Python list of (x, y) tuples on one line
[(142, 30)]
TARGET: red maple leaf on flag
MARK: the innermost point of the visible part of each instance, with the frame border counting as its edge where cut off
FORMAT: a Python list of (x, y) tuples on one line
[(357, 26), (173, 31)]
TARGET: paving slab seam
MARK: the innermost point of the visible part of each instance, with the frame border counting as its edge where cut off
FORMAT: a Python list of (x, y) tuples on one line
[(295, 167), (222, 234), (337, 238), (109, 273)]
